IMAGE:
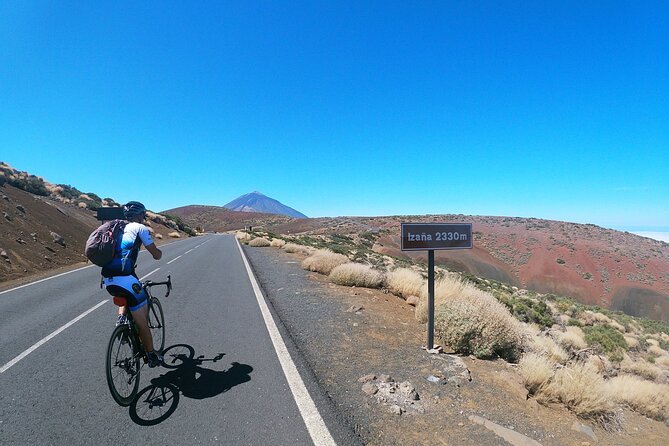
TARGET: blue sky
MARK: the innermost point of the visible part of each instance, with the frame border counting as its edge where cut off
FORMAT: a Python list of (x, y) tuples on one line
[(555, 110)]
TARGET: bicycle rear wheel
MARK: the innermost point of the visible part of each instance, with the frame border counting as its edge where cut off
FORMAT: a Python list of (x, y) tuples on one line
[(122, 366), (157, 324)]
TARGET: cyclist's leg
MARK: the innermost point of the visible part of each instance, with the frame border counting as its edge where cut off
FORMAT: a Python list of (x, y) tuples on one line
[(140, 317), (136, 298)]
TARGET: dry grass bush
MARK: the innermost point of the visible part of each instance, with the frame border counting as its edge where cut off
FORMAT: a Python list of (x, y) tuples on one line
[(650, 399), (576, 330), (563, 319), (617, 326), (159, 236), (582, 389), (571, 341), (546, 346), (656, 350), (324, 261), (405, 282), (293, 247), (243, 237), (174, 234), (662, 361), (357, 274), (474, 322), (600, 363), (652, 341), (591, 318), (259, 242), (640, 368), (536, 371), (278, 243), (632, 342), (447, 287)]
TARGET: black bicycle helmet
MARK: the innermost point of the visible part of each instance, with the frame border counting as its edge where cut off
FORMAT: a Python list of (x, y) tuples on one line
[(134, 210)]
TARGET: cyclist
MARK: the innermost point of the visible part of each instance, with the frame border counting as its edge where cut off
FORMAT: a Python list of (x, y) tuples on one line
[(121, 280)]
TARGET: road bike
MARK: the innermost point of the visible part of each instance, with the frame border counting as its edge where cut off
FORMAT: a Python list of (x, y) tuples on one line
[(125, 354)]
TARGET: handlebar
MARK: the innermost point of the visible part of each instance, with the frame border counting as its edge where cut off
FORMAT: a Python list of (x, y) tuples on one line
[(168, 283)]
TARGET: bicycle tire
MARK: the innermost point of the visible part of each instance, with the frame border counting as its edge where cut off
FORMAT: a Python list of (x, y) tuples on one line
[(122, 366), (157, 324)]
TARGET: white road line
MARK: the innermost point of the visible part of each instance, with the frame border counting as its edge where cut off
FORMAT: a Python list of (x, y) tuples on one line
[(57, 332), (69, 272), (5, 367), (188, 251), (142, 278), (48, 278), (178, 257), (319, 432)]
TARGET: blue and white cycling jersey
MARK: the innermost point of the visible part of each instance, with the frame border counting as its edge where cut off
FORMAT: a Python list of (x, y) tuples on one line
[(127, 250)]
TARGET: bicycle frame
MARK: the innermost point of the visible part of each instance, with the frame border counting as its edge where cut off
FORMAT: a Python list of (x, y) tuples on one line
[(137, 358)]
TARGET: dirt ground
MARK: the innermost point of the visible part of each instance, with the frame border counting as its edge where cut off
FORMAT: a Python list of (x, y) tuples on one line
[(347, 333)]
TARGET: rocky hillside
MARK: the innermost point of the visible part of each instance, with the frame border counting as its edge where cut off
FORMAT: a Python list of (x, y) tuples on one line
[(45, 226)]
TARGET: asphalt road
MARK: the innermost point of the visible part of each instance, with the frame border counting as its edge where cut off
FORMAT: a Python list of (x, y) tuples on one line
[(233, 390)]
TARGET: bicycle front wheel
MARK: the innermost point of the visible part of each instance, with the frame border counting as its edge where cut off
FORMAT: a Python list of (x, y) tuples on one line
[(122, 366), (157, 324)]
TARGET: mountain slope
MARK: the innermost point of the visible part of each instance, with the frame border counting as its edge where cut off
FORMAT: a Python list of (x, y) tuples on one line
[(216, 218), (44, 226), (257, 202), (613, 269)]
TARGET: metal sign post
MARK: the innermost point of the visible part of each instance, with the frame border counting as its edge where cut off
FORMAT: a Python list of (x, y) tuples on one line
[(430, 237)]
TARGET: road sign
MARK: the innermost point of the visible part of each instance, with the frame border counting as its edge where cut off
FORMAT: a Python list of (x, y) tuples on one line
[(427, 236), (430, 237)]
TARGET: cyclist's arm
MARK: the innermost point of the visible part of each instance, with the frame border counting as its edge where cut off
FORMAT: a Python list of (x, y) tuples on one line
[(155, 252)]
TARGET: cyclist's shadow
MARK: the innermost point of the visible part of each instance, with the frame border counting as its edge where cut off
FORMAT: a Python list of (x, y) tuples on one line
[(157, 402)]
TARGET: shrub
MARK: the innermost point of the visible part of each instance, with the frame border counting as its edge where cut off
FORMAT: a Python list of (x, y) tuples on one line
[(640, 368), (582, 389), (405, 282), (632, 342), (607, 339), (293, 247), (529, 310), (447, 287), (356, 274), (650, 399), (571, 340), (662, 361), (593, 318), (324, 261), (277, 243), (174, 234), (546, 346), (536, 371), (69, 192), (476, 323), (655, 350), (259, 242), (180, 224), (243, 236), (29, 183)]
